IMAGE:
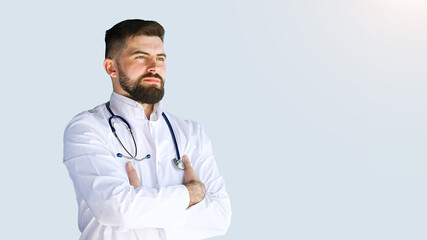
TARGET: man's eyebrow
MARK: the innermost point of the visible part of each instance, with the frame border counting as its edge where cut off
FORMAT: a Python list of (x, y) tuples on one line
[(139, 52), (146, 53)]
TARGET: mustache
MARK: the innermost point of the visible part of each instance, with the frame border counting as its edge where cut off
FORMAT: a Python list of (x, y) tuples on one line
[(152, 75)]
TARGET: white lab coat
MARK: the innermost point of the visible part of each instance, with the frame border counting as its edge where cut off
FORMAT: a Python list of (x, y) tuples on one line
[(110, 208)]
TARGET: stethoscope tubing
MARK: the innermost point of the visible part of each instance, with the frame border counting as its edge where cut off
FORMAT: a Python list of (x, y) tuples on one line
[(177, 161)]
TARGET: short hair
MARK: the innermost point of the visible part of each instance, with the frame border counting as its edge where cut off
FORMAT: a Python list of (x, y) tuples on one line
[(115, 37)]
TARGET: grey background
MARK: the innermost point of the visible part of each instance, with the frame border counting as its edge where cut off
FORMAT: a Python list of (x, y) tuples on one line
[(316, 109)]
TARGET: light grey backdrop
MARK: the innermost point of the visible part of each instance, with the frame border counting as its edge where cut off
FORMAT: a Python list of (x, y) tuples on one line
[(316, 109)]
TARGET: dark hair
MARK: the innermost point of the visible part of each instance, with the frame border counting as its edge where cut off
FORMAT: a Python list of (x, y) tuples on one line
[(115, 37)]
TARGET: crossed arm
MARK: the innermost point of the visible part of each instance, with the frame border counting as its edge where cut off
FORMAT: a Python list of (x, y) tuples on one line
[(117, 199), (195, 187)]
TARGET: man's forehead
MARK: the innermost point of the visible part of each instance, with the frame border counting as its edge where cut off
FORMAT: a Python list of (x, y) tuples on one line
[(144, 41)]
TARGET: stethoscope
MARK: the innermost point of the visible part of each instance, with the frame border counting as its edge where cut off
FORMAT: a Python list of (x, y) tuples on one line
[(177, 161)]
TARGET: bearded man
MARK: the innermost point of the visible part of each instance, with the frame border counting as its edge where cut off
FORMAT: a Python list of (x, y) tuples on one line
[(124, 156)]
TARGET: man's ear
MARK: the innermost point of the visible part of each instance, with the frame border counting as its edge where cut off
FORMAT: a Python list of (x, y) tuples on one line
[(110, 67)]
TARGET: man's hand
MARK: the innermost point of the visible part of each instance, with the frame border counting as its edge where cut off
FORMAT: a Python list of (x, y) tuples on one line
[(195, 187), (133, 177)]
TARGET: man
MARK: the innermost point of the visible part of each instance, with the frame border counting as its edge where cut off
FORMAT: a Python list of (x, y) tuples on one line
[(129, 182)]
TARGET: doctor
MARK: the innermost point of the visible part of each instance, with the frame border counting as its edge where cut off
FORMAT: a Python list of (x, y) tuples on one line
[(124, 156)]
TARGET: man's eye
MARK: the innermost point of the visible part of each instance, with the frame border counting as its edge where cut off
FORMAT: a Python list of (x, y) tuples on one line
[(140, 57), (161, 59)]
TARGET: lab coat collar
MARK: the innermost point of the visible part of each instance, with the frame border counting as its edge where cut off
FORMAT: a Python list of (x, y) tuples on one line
[(130, 108)]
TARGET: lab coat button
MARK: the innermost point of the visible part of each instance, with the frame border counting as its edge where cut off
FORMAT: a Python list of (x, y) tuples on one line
[(159, 163)]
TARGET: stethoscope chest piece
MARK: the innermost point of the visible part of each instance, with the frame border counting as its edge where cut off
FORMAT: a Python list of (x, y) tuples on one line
[(178, 163)]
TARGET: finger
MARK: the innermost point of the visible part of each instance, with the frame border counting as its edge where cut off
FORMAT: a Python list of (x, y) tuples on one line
[(129, 167), (133, 176), (189, 174), (186, 162)]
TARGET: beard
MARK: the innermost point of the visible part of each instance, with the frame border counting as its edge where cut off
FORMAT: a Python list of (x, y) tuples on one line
[(140, 93)]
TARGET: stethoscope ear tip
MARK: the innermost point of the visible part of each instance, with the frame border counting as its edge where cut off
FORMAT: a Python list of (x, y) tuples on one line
[(148, 156)]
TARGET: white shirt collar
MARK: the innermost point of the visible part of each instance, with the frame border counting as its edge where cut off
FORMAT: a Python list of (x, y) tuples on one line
[(130, 108)]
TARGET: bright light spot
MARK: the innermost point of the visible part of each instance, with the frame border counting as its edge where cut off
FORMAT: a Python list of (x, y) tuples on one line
[(401, 10)]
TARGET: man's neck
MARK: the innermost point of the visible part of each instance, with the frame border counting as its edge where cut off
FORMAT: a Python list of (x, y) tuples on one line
[(148, 109)]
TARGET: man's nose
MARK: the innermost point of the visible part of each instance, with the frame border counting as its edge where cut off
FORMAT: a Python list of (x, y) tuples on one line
[(152, 65)]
